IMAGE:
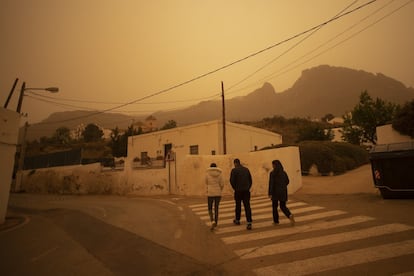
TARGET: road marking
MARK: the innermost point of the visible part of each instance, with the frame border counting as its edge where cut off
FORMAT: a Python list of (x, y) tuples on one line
[(339, 260), (266, 205), (263, 224), (267, 215), (226, 203), (297, 229), (284, 247), (255, 209)]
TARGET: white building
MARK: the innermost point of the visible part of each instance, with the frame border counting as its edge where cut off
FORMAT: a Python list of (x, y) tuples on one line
[(387, 135), (200, 139), (194, 147)]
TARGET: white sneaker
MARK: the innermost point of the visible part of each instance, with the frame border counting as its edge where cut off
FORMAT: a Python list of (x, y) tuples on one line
[(213, 225)]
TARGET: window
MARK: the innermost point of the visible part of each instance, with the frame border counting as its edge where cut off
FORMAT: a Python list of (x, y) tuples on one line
[(194, 149), (144, 158), (213, 152)]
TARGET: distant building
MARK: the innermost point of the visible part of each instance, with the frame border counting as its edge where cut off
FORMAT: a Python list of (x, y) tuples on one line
[(336, 121), (387, 135), (200, 139)]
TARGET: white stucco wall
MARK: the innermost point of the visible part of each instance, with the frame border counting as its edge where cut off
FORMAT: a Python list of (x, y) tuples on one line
[(192, 170), (208, 136), (243, 138), (78, 179), (9, 128), (387, 135), (183, 178), (185, 174)]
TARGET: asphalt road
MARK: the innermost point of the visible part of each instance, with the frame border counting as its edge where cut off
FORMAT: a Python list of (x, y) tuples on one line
[(343, 227)]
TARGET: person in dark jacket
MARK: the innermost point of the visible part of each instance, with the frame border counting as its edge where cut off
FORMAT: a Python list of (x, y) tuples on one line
[(278, 182), (241, 182)]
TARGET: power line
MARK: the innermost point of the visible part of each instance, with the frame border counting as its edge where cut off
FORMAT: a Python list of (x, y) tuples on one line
[(338, 43), (289, 49), (222, 67), (116, 103)]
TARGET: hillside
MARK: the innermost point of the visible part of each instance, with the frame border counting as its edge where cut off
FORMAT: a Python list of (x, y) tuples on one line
[(318, 91)]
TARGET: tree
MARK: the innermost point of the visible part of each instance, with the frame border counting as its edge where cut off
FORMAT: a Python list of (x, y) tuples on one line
[(92, 133), (360, 126), (313, 132), (62, 135), (170, 124), (404, 120), (119, 142)]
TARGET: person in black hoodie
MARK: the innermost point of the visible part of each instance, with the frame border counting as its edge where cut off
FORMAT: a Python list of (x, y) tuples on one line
[(241, 182), (278, 182)]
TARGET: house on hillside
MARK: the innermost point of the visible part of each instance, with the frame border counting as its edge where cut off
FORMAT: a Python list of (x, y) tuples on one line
[(198, 139)]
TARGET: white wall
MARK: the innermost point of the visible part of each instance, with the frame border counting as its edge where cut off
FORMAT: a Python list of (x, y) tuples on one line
[(192, 170), (183, 178), (9, 129), (387, 135), (242, 138), (77, 179), (208, 137)]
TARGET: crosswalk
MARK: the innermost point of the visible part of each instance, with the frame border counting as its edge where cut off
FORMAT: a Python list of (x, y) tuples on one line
[(321, 241)]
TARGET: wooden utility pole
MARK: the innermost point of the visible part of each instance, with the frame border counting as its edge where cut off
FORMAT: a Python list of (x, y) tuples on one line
[(224, 119), (11, 93)]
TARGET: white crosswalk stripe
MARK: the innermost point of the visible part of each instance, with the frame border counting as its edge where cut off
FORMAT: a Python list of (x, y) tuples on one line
[(334, 261), (325, 228)]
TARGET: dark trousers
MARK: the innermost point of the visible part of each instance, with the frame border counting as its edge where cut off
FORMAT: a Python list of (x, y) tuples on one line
[(239, 197), (216, 201), (283, 207)]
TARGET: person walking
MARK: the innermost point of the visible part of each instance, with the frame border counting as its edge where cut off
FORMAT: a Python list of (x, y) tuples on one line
[(241, 182), (214, 183), (278, 182)]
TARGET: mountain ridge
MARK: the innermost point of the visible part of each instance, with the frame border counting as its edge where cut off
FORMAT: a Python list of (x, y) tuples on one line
[(318, 91)]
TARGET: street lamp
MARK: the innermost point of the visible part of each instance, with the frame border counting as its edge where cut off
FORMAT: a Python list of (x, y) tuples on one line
[(26, 125), (50, 89)]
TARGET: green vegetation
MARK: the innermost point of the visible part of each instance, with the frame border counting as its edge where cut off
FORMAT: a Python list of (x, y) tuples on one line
[(404, 120), (331, 157), (361, 124)]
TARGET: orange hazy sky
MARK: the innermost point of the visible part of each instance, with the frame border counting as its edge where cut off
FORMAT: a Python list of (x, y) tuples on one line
[(103, 53)]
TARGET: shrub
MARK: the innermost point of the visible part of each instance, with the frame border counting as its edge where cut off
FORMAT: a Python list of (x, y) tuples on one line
[(331, 157)]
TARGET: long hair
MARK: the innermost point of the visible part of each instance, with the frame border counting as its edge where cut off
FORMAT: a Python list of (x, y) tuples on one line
[(278, 167)]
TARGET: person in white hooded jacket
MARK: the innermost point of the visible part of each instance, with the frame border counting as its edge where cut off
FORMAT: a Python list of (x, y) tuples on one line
[(214, 183)]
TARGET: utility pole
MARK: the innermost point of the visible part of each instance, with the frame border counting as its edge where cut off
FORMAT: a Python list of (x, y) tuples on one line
[(11, 93), (22, 156), (224, 119)]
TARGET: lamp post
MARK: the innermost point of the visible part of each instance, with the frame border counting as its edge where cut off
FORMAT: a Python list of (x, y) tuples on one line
[(19, 175), (19, 105)]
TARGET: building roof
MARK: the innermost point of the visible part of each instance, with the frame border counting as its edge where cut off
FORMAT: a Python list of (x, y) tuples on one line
[(214, 122)]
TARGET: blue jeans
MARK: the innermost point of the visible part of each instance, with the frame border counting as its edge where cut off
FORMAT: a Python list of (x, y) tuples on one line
[(216, 201), (244, 196)]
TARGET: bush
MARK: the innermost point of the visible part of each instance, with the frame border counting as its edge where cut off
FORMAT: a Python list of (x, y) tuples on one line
[(331, 157)]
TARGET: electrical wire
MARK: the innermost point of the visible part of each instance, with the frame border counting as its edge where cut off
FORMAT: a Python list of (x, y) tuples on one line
[(289, 49), (219, 68), (280, 72)]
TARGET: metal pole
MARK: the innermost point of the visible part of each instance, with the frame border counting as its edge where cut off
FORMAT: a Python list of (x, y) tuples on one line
[(21, 158), (11, 93), (19, 105), (224, 119)]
